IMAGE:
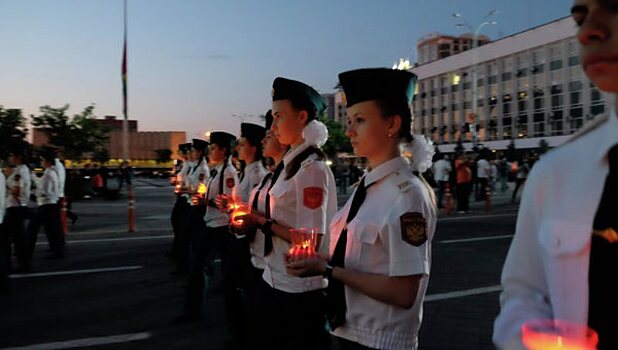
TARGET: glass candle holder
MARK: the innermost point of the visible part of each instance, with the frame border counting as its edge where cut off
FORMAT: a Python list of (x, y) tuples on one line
[(549, 334), (303, 242), (238, 209)]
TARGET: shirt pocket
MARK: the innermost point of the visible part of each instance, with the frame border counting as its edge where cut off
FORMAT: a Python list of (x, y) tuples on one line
[(281, 189), (362, 237), (564, 238)]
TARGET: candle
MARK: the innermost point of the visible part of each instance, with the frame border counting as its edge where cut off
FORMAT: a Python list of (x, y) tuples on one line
[(201, 189), (177, 189), (239, 209), (303, 243), (558, 335)]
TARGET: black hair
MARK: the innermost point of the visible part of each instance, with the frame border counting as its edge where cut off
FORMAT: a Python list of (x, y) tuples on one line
[(303, 104), (401, 108), (292, 168)]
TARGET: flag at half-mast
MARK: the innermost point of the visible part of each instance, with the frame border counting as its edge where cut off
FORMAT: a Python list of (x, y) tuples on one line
[(124, 76)]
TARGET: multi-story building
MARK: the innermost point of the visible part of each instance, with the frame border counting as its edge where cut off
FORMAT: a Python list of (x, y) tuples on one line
[(529, 87), (437, 46)]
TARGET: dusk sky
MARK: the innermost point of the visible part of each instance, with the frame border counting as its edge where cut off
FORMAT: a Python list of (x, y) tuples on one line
[(193, 64)]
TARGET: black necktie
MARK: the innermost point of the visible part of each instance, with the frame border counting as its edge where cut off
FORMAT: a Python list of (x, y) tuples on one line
[(242, 175), (213, 173), (602, 301), (254, 204), (336, 291), (268, 241)]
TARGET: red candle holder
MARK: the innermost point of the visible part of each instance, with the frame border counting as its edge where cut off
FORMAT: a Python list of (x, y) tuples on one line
[(549, 334)]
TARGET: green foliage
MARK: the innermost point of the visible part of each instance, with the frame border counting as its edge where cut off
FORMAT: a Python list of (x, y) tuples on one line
[(78, 137), (337, 139), (163, 155), (12, 129)]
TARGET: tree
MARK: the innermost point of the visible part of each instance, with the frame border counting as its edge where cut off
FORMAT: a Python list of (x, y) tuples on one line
[(12, 129), (77, 136), (337, 139), (163, 155)]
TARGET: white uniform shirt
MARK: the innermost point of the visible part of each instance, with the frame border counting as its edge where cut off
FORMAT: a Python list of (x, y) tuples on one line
[(182, 179), (376, 245), (546, 270), (441, 170), (215, 217), (62, 175), (308, 199), (257, 246), (48, 187), (2, 196), (195, 175), (254, 172), (19, 178), (483, 169)]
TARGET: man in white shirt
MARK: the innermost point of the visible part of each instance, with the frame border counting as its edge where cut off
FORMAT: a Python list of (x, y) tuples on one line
[(48, 213), (17, 197), (483, 172), (441, 170)]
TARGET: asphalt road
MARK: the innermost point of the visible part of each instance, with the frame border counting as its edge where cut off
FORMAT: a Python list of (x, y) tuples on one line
[(114, 289)]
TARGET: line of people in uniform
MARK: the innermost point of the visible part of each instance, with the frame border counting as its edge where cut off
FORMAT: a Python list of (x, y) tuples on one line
[(17, 183), (366, 280)]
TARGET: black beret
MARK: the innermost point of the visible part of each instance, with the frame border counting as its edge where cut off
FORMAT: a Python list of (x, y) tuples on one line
[(222, 139), (268, 119), (19, 149), (287, 89), (48, 153), (199, 144), (185, 147), (252, 132), (377, 84)]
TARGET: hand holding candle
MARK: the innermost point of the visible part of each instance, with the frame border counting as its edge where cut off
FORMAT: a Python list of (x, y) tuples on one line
[(239, 210), (558, 335)]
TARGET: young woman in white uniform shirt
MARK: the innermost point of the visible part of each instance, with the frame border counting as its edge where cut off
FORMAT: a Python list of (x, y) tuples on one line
[(380, 245), (562, 261), (303, 196)]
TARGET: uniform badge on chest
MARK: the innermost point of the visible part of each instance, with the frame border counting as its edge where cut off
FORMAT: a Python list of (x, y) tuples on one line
[(413, 228)]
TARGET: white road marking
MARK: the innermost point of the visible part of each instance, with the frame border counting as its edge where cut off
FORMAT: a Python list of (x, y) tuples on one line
[(120, 230), (77, 272), (488, 238), (462, 293), (105, 240), (476, 217), (76, 343)]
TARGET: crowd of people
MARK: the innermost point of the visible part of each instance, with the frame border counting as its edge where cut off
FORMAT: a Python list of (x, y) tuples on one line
[(362, 272), (366, 260), (19, 227), (476, 174)]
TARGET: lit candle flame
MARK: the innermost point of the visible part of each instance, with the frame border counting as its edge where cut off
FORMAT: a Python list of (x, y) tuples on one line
[(201, 189)]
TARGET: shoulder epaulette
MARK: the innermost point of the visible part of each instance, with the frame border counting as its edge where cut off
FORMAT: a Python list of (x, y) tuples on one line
[(593, 125), (402, 180)]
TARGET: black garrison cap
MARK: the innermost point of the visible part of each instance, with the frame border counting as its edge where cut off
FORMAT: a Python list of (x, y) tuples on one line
[(287, 89), (377, 84)]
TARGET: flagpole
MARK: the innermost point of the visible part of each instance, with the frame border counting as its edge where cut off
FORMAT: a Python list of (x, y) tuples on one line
[(125, 122)]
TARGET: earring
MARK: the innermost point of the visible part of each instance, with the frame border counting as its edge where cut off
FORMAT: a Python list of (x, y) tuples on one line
[(390, 135)]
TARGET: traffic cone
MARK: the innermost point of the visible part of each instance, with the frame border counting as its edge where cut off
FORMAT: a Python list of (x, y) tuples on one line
[(131, 209), (63, 215), (447, 205)]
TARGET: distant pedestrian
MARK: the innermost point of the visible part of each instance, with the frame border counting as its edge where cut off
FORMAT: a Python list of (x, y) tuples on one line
[(464, 182), (18, 187), (522, 174), (483, 174), (441, 169)]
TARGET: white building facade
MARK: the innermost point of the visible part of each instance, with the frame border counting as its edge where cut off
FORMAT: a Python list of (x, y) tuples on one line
[(530, 87)]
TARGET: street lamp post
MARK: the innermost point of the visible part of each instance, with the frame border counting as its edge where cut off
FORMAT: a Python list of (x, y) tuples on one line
[(475, 39)]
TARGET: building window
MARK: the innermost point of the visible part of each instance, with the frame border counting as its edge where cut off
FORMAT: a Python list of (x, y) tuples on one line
[(573, 61), (506, 76), (555, 65), (597, 109), (577, 118), (556, 123), (537, 69)]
